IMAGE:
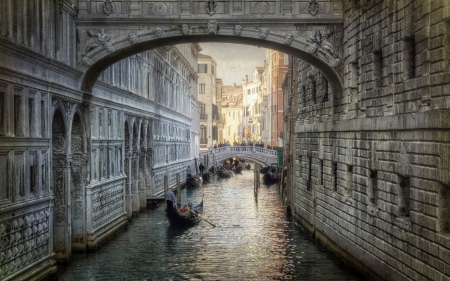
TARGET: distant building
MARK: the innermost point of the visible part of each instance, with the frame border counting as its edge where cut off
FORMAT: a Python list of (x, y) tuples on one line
[(207, 97), (232, 111), (278, 65), (252, 99)]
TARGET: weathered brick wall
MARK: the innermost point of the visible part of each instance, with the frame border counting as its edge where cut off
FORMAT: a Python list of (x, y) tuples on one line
[(374, 183)]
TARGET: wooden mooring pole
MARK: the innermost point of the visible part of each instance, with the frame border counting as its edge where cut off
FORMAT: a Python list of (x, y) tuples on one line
[(166, 188), (178, 191), (257, 178)]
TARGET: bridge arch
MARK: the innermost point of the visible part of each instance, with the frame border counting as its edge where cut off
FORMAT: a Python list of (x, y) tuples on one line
[(99, 53)]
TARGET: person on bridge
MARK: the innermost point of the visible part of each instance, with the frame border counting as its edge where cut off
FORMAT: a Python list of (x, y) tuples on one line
[(201, 168), (170, 200)]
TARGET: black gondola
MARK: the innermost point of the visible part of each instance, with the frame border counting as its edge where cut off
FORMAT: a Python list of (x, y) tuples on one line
[(264, 170), (238, 169), (224, 174), (194, 181), (270, 178), (185, 218)]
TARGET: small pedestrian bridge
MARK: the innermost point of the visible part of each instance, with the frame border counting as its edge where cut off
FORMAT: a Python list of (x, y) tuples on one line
[(251, 153)]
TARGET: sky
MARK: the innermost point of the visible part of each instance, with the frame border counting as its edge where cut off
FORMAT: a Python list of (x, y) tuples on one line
[(234, 61)]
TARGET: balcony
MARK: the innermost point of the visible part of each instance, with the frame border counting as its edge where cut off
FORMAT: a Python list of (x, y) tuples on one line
[(203, 116), (203, 141), (216, 117)]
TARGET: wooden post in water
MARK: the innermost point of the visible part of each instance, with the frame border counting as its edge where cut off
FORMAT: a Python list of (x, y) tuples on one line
[(178, 190), (166, 188), (257, 176)]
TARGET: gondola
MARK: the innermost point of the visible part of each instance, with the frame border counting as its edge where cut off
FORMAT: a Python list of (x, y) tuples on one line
[(206, 176), (194, 181), (270, 178), (224, 174), (247, 166), (238, 169), (185, 218), (264, 170)]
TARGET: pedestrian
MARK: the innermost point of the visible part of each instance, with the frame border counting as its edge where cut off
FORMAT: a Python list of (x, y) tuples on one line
[(202, 168), (188, 172), (170, 201)]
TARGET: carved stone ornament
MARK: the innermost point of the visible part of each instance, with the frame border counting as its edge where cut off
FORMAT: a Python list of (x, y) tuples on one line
[(133, 37), (159, 32), (211, 7), (211, 27), (237, 29), (313, 7), (87, 61), (288, 39), (320, 41), (262, 7), (263, 32), (97, 40), (109, 7), (185, 29)]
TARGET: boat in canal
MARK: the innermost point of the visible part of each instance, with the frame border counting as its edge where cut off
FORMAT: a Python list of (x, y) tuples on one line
[(185, 217), (271, 175), (224, 173), (194, 181)]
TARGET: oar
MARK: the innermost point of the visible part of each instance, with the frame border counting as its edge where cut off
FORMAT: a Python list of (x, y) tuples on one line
[(198, 215)]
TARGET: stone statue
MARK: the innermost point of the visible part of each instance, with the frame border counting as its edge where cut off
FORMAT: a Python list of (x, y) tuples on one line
[(185, 29), (237, 29), (319, 41), (263, 32), (211, 27), (159, 32), (133, 37), (288, 39)]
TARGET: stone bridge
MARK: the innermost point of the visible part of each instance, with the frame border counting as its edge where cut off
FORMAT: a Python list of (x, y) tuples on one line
[(252, 153), (109, 31)]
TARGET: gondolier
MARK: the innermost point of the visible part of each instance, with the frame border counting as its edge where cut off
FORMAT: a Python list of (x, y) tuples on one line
[(170, 200)]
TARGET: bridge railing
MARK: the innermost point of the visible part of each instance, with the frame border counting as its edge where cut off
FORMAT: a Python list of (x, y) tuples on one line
[(254, 152), (226, 149)]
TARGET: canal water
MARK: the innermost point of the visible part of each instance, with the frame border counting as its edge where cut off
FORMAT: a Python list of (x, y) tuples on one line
[(254, 239)]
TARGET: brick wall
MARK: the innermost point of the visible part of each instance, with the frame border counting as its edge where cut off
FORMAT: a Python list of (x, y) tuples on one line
[(372, 173)]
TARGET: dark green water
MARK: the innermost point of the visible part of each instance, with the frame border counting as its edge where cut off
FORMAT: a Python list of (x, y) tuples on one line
[(255, 239)]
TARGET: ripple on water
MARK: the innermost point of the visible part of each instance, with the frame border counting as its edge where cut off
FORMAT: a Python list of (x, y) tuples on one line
[(254, 239)]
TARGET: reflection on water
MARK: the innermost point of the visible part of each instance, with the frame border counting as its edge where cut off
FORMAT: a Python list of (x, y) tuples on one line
[(254, 239)]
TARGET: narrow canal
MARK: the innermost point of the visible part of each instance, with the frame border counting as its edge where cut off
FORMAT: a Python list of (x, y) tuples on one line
[(254, 239)]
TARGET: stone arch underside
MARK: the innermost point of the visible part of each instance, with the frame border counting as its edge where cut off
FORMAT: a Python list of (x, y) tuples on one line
[(100, 50)]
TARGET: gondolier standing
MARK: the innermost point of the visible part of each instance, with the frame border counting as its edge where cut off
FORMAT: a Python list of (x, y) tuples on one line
[(170, 199), (202, 168), (188, 172)]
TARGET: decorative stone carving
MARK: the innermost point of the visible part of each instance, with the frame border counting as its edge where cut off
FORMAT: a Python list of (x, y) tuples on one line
[(24, 240), (95, 41), (262, 7), (238, 29), (109, 7), (211, 27), (160, 8), (133, 38), (313, 7), (185, 29), (288, 39), (319, 41), (211, 7), (263, 32), (159, 32)]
